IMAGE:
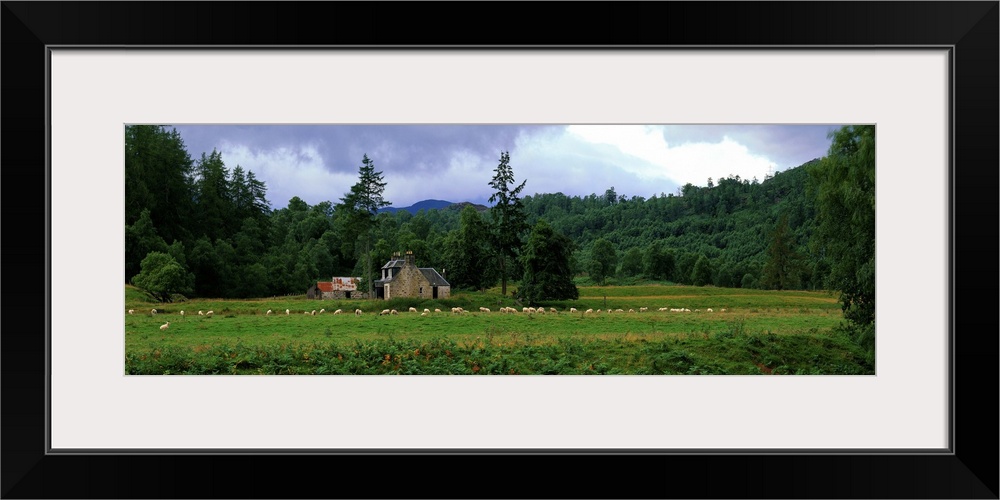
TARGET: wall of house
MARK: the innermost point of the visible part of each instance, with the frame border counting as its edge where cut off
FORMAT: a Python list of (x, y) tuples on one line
[(408, 283)]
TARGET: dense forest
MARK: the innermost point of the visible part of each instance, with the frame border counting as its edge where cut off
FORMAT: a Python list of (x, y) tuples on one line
[(212, 226)]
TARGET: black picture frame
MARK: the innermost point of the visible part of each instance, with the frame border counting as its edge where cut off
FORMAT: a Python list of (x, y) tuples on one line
[(970, 28)]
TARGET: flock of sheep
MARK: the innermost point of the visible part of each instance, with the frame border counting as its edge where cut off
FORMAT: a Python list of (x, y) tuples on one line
[(455, 310)]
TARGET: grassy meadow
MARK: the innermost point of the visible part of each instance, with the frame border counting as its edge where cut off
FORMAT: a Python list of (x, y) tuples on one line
[(759, 332)]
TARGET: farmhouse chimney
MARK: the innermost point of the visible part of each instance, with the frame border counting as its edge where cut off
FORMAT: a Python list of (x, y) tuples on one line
[(409, 256)]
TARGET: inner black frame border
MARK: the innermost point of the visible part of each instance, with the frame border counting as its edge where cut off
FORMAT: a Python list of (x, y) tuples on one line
[(967, 470)]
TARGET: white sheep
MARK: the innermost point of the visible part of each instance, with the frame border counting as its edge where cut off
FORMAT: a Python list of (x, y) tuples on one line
[(423, 314), (288, 311), (201, 313), (182, 313), (722, 310), (552, 309), (209, 313), (313, 313), (384, 312), (437, 310), (572, 309), (152, 312), (631, 310), (427, 311), (164, 326), (617, 310), (338, 311), (588, 311), (709, 309), (131, 311), (540, 310), (357, 312), (643, 309), (321, 311), (268, 313), (413, 309), (393, 312)]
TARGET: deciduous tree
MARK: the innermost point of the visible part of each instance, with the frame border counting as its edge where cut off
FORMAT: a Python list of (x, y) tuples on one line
[(603, 260), (547, 273), (843, 183)]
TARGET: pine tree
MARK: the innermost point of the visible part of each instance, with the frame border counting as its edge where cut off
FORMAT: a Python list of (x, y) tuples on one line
[(509, 220), (361, 207)]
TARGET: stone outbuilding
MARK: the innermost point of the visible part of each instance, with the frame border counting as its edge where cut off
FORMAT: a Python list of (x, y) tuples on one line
[(402, 278)]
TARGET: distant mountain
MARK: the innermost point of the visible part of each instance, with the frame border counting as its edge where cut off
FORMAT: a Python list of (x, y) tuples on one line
[(420, 205), (433, 205)]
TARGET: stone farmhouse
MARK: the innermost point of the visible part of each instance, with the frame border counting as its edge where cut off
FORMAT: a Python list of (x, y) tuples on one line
[(402, 278), (338, 288)]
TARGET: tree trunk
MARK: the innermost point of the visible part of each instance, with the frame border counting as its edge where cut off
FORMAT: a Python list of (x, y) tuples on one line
[(503, 276), (368, 266)]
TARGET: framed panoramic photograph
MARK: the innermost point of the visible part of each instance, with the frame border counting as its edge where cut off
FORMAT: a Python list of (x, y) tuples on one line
[(698, 254)]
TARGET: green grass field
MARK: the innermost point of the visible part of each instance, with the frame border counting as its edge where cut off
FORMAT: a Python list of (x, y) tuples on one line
[(760, 332)]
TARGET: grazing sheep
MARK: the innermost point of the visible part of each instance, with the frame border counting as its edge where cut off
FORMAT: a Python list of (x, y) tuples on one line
[(338, 311), (321, 311), (393, 312), (722, 310), (437, 310), (663, 309), (201, 313), (427, 311), (552, 309), (165, 326), (631, 310), (540, 310), (687, 310), (413, 309), (709, 309), (152, 312), (643, 309), (588, 311), (210, 313), (357, 312), (313, 313), (131, 311), (182, 313), (484, 309), (423, 314), (384, 312), (616, 310), (287, 312), (572, 309), (268, 313)]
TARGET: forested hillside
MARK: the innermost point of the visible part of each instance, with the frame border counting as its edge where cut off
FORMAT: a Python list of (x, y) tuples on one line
[(215, 223)]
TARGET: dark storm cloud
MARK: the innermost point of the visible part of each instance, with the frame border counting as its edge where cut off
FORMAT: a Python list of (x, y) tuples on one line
[(455, 162)]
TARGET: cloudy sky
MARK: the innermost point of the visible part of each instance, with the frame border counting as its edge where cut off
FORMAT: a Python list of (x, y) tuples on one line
[(456, 162)]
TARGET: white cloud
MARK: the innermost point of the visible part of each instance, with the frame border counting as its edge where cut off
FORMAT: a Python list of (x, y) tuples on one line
[(682, 163)]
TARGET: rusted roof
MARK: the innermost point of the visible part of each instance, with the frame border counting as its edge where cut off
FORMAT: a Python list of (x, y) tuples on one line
[(324, 286), (345, 284)]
